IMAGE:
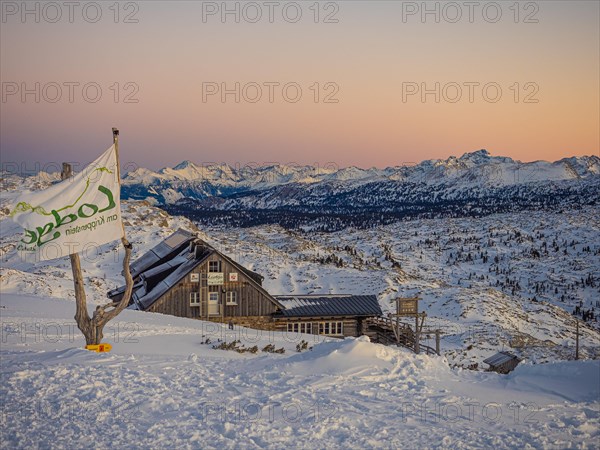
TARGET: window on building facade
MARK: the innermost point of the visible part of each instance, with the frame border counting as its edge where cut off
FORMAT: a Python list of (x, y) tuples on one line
[(300, 327), (194, 298), (214, 266), (331, 328), (231, 298)]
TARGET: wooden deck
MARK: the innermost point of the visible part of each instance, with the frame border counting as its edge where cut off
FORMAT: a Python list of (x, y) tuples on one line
[(388, 331)]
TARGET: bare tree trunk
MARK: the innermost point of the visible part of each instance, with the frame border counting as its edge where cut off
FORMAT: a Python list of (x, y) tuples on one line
[(81, 314), (92, 327), (101, 316)]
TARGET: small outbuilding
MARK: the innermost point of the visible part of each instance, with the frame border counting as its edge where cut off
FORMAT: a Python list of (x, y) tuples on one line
[(502, 362)]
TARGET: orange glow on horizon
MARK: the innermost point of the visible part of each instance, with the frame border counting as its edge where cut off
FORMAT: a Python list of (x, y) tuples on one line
[(547, 71)]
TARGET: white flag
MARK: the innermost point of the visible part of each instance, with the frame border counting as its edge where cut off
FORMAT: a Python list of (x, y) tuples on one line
[(72, 216)]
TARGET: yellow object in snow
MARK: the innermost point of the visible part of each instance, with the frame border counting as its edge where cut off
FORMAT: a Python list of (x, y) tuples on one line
[(100, 348)]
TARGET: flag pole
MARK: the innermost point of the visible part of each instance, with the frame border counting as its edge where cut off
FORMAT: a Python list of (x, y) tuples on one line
[(115, 132), (92, 327), (126, 244), (101, 316)]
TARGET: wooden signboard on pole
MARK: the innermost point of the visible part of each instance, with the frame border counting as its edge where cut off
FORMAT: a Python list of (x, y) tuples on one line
[(407, 307)]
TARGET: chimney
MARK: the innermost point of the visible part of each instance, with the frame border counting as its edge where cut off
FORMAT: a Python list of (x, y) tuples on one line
[(67, 171)]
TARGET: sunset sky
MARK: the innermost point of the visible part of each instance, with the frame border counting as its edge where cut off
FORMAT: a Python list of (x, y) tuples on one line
[(377, 51)]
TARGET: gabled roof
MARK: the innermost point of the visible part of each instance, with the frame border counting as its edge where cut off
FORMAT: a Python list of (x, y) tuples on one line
[(329, 305), (169, 262), (500, 358), (256, 277)]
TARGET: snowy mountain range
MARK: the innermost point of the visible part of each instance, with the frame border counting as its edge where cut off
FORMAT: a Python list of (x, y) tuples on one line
[(473, 175), (493, 283), (505, 282)]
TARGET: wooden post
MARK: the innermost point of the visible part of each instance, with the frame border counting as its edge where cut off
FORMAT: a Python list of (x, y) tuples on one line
[(67, 171), (437, 341), (576, 338), (417, 337), (92, 327)]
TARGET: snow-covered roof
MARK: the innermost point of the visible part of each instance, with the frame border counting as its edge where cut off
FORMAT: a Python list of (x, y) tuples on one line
[(500, 358)]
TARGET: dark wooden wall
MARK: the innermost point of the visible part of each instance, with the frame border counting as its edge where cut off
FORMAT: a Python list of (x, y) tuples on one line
[(254, 307), (251, 301)]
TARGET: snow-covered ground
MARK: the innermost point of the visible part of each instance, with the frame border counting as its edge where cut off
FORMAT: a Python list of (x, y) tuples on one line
[(503, 282), (161, 387)]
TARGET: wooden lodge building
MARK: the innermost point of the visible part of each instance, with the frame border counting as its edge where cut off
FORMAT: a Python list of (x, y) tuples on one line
[(184, 276)]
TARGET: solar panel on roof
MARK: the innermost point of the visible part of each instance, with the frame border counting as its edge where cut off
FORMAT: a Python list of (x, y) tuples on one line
[(176, 239), (164, 249)]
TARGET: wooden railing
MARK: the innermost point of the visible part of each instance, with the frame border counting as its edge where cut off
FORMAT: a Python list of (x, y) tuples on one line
[(391, 332)]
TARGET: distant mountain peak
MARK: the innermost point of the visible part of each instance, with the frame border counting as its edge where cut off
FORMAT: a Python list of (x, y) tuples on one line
[(473, 170), (184, 165), (476, 155), (483, 157)]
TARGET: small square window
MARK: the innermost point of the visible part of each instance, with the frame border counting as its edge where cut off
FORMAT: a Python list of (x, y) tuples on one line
[(214, 266), (194, 298)]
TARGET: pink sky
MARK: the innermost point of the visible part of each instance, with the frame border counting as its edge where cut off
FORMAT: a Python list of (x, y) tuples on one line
[(368, 57)]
